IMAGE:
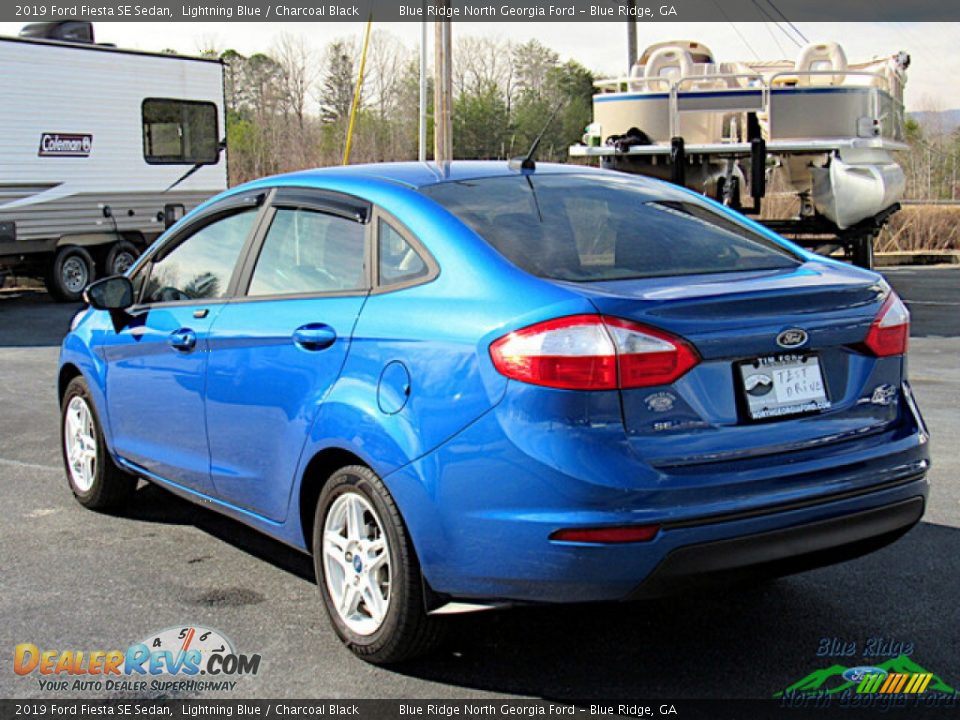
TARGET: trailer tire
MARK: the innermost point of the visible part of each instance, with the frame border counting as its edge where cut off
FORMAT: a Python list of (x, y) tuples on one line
[(69, 274), (120, 258)]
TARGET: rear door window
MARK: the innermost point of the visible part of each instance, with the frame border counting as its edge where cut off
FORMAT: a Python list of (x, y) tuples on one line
[(306, 251), (591, 228)]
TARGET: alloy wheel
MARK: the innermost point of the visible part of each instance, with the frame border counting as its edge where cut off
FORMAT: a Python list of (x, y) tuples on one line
[(356, 563), (79, 436)]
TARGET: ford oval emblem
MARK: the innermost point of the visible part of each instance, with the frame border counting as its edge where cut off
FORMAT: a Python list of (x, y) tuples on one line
[(792, 338), (856, 674)]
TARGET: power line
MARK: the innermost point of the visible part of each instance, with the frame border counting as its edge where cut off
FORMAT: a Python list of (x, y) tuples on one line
[(787, 21), (736, 29), (769, 17)]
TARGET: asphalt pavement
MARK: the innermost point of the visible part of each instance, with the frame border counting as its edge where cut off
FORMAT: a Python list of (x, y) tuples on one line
[(74, 579)]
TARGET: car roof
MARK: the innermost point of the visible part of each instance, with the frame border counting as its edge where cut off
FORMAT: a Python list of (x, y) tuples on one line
[(423, 174)]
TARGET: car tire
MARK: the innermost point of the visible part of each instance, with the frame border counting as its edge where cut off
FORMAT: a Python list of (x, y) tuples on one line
[(72, 270), (120, 258), (392, 626), (94, 478)]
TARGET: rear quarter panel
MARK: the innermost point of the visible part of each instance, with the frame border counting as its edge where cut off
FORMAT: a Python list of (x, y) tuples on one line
[(435, 338)]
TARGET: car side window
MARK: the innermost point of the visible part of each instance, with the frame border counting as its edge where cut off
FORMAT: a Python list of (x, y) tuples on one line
[(306, 251), (199, 268), (400, 263)]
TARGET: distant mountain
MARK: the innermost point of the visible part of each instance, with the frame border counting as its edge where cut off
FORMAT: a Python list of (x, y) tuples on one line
[(945, 121), (830, 680)]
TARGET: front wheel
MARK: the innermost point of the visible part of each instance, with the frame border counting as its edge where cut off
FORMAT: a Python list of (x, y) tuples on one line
[(95, 480), (368, 572)]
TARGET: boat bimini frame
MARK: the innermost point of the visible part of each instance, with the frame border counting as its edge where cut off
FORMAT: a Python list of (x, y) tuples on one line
[(825, 127)]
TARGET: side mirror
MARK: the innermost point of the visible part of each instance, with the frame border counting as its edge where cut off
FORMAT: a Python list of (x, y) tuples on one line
[(112, 293)]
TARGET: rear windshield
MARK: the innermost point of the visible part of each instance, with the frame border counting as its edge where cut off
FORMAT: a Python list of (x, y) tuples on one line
[(586, 228)]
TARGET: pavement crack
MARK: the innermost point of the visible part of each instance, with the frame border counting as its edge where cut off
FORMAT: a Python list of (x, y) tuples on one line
[(28, 466)]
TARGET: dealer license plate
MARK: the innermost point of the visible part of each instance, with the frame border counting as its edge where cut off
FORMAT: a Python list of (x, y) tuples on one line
[(783, 385)]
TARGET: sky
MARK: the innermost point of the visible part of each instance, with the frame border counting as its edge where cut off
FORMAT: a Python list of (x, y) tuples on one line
[(933, 79)]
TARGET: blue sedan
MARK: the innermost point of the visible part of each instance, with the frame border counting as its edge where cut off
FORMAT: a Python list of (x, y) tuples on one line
[(480, 384)]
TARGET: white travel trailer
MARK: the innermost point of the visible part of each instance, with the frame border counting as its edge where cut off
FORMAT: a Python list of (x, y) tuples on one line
[(100, 150), (828, 128)]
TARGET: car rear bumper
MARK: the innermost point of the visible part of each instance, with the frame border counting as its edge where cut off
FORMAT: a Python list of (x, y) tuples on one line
[(481, 509), (780, 552)]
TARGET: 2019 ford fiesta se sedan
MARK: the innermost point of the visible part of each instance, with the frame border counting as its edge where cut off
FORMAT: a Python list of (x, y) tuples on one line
[(474, 384)]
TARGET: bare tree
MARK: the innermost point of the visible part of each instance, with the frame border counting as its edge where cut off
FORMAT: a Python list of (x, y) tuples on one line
[(298, 72)]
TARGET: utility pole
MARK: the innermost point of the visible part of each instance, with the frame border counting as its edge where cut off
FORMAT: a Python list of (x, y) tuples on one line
[(422, 146), (442, 89), (631, 35)]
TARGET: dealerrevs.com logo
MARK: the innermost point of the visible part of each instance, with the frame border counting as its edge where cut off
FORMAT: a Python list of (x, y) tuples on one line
[(187, 658), (65, 145)]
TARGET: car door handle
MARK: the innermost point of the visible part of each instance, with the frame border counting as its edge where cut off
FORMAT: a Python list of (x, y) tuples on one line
[(315, 336), (183, 339)]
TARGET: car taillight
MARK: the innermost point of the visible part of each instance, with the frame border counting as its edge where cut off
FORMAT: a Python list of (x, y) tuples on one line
[(890, 332), (592, 352)]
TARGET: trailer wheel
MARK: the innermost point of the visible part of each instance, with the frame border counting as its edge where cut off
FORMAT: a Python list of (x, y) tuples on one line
[(121, 257), (70, 273)]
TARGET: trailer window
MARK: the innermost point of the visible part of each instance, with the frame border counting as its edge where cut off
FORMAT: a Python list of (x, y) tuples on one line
[(179, 132)]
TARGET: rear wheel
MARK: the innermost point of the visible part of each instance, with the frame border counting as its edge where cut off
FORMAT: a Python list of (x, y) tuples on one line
[(368, 572), (71, 272), (121, 257), (95, 480)]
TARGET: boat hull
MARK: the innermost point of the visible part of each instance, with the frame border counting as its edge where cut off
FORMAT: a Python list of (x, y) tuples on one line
[(855, 187)]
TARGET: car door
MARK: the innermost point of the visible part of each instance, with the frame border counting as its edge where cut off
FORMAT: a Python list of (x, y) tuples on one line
[(276, 351), (157, 360)]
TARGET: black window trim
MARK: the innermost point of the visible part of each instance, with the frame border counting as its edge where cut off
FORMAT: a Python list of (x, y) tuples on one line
[(216, 131), (328, 202), (231, 205), (433, 268)]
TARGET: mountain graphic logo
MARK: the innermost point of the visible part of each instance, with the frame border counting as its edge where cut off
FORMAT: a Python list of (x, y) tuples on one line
[(899, 675)]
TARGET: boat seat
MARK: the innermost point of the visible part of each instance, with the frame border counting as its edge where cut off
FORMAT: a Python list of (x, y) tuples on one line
[(636, 71), (665, 66), (706, 81), (817, 57)]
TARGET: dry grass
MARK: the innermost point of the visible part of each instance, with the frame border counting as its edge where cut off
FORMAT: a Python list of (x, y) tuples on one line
[(914, 228), (922, 227)]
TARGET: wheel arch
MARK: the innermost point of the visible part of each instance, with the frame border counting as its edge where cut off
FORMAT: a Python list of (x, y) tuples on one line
[(67, 373), (316, 474)]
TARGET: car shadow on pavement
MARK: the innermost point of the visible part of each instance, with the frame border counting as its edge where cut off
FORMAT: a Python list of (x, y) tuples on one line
[(31, 318), (740, 642), (153, 504)]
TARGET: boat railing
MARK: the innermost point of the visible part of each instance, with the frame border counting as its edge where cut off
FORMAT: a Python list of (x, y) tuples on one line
[(749, 92), (731, 96), (875, 83)]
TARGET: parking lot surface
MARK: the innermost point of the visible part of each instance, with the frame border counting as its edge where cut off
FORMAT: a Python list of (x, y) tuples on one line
[(74, 579)]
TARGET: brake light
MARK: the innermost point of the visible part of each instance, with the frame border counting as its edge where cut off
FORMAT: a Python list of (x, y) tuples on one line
[(890, 332), (622, 534), (591, 352)]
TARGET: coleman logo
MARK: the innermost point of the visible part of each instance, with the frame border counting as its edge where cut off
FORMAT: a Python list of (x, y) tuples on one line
[(795, 337), (65, 145)]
